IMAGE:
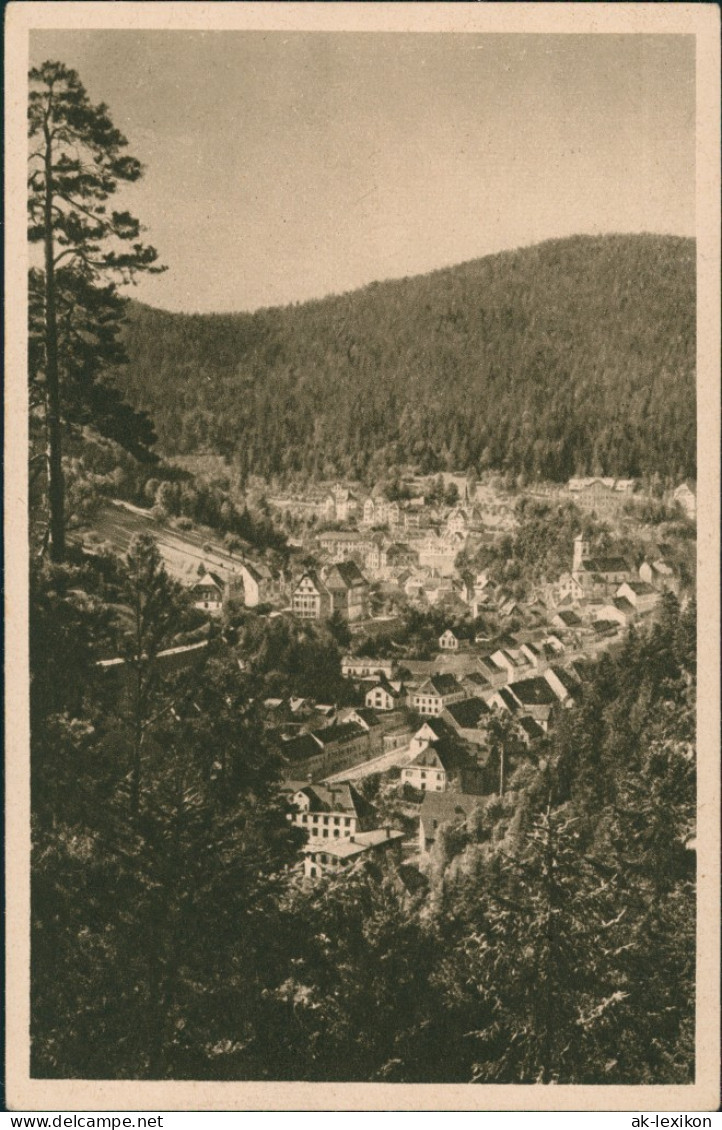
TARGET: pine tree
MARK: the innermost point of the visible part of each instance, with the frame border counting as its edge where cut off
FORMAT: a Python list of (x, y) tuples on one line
[(77, 161), (154, 601)]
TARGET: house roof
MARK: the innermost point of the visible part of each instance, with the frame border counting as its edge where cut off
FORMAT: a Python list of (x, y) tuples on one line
[(300, 748), (468, 713), (533, 692), (568, 679), (623, 604), (344, 575), (356, 845), (338, 732), (477, 680), (445, 808), (384, 685), (640, 588), (602, 627), (367, 716), (438, 728), (440, 685), (568, 617), (433, 757), (508, 699), (314, 578), (605, 565), (209, 579), (531, 727), (342, 797)]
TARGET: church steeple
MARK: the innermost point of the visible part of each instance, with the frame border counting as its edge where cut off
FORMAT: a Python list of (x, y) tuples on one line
[(581, 552)]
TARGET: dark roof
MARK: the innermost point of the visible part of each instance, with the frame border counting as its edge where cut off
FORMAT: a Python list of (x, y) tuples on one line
[(433, 756), (337, 798), (623, 604), (605, 565), (300, 748), (367, 715), (468, 713), (605, 627), (531, 727), (314, 577), (202, 582), (345, 575), (438, 727), (477, 680), (640, 588), (568, 679), (508, 699), (533, 692), (569, 618), (338, 732), (441, 684)]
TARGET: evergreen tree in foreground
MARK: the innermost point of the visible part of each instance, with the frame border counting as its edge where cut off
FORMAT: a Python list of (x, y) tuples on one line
[(77, 163)]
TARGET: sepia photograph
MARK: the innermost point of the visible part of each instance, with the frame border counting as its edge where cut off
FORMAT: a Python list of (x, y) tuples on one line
[(362, 410)]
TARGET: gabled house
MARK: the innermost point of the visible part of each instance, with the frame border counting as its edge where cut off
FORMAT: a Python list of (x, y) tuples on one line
[(448, 641), (384, 696), (348, 589), (258, 584), (435, 693), (428, 770), (505, 701), (564, 685), (331, 811), (619, 609), (469, 718), (493, 672), (513, 664), (535, 698), (641, 595), (208, 592), (310, 599)]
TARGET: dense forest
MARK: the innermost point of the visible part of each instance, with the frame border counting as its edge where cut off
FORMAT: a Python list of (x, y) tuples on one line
[(574, 356), (552, 939)]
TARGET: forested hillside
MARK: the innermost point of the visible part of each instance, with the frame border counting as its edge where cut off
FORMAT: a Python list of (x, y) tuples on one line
[(574, 356), (552, 938)]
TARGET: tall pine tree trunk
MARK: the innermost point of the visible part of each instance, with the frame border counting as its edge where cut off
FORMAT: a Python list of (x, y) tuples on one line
[(56, 486)]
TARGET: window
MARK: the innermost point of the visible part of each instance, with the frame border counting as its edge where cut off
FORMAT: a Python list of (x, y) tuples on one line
[(336, 832), (325, 833), (347, 820), (423, 775), (337, 820), (325, 819)]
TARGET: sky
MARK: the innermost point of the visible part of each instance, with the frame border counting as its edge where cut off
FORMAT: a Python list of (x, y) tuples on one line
[(283, 166)]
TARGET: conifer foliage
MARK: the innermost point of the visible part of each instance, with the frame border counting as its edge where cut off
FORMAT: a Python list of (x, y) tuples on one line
[(77, 163)]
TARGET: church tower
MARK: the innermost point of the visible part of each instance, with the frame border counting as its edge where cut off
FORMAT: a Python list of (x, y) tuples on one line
[(581, 552)]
